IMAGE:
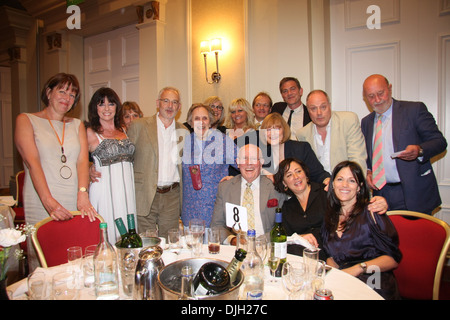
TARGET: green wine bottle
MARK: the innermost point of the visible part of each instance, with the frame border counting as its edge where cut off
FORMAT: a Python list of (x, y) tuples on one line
[(123, 242), (279, 237), (135, 238), (235, 265)]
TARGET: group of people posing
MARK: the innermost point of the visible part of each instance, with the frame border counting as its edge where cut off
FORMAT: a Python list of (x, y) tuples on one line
[(314, 163)]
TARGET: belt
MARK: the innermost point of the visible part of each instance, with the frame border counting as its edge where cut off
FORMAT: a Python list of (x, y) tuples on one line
[(167, 188), (393, 184)]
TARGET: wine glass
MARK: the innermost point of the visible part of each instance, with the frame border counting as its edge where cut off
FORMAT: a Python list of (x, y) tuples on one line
[(293, 276), (37, 286), (197, 228), (74, 253), (261, 247), (74, 257), (173, 238), (64, 286), (272, 259)]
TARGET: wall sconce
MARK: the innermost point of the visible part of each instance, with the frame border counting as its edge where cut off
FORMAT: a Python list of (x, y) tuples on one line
[(206, 47)]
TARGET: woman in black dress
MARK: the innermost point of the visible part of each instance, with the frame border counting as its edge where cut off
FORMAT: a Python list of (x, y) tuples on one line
[(357, 241)]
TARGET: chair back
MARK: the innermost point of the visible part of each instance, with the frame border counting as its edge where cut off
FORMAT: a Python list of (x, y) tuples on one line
[(424, 242), (20, 178), (52, 238)]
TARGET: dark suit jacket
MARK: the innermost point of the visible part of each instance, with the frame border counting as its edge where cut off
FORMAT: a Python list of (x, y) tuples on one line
[(412, 124), (281, 106), (230, 191)]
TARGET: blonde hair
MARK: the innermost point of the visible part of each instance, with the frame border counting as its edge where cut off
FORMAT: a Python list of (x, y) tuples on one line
[(276, 119), (210, 101), (245, 105)]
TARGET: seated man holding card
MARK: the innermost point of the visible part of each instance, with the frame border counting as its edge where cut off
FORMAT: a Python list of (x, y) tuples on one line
[(248, 200)]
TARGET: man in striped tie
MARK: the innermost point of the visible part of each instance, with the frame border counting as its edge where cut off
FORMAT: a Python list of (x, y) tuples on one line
[(401, 138)]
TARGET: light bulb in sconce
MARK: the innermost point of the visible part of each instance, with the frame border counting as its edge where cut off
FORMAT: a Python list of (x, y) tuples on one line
[(206, 47)]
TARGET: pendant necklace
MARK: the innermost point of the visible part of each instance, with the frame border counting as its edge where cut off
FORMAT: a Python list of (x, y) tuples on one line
[(65, 172)]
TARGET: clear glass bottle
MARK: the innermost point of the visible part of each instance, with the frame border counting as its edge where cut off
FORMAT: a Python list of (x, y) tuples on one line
[(105, 268), (253, 269), (134, 237), (278, 236), (187, 286)]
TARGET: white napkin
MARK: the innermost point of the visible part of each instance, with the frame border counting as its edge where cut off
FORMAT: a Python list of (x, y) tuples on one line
[(7, 200), (297, 239)]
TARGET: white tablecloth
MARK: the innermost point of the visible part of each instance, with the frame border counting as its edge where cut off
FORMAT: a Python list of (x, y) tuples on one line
[(342, 285)]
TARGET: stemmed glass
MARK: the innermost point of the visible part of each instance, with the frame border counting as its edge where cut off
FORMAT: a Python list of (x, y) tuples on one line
[(272, 260), (261, 247), (37, 286), (293, 276)]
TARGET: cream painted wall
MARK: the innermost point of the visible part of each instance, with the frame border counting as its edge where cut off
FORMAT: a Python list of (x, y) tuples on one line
[(278, 45), (219, 19)]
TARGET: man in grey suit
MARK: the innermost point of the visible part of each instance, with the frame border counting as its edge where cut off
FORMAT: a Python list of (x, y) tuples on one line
[(334, 136), (266, 199), (157, 166)]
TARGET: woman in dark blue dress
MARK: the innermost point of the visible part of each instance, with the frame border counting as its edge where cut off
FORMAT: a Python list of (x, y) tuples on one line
[(357, 241)]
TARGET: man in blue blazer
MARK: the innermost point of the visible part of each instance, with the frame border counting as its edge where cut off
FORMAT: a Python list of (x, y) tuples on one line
[(410, 131)]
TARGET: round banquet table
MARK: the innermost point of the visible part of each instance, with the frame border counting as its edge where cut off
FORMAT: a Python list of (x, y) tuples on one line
[(342, 285)]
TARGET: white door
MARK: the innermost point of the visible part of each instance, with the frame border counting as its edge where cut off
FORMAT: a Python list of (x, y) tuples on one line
[(412, 49), (112, 60), (6, 132)]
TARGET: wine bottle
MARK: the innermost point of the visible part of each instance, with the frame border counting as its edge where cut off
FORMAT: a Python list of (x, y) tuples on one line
[(135, 238), (123, 242), (279, 237), (253, 269), (105, 268), (235, 264), (211, 279), (187, 287)]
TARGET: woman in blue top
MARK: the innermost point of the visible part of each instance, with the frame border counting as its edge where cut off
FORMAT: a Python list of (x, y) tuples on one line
[(207, 155)]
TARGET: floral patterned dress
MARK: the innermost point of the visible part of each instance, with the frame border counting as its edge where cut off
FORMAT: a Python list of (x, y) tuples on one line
[(210, 158)]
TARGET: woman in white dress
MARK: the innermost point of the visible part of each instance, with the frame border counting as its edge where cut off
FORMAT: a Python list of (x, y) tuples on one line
[(54, 150), (112, 193)]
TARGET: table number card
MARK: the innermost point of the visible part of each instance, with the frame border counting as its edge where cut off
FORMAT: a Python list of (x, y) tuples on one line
[(236, 216)]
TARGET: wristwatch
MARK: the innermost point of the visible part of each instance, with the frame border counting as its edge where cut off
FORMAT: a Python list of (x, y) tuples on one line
[(420, 152), (363, 266), (82, 189)]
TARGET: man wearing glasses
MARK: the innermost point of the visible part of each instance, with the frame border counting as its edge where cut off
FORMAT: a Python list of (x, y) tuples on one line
[(157, 169)]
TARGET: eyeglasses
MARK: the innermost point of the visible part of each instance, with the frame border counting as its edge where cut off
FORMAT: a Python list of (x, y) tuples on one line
[(167, 102), (220, 108)]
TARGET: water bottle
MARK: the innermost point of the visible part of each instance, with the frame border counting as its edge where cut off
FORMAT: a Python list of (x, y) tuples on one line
[(253, 269), (105, 268)]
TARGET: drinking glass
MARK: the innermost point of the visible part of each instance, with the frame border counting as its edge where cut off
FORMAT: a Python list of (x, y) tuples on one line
[(293, 276), (261, 247), (88, 269), (197, 227), (37, 287), (214, 240), (173, 238), (310, 258), (318, 280), (90, 250), (74, 253), (64, 286)]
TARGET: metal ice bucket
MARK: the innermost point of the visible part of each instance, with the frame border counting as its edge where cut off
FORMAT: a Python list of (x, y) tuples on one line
[(169, 279)]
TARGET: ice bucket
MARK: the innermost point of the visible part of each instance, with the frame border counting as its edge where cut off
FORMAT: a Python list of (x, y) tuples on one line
[(169, 279)]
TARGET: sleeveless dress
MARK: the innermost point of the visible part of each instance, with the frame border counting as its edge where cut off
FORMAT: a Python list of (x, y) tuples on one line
[(113, 196), (63, 190)]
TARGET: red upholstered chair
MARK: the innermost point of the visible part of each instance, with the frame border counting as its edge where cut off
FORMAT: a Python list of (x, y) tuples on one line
[(424, 243), (52, 238), (18, 208)]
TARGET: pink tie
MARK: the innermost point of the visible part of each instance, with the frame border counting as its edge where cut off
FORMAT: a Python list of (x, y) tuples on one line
[(378, 177)]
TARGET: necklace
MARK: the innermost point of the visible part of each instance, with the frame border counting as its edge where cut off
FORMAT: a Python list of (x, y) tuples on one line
[(65, 172)]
